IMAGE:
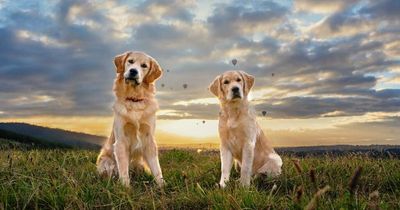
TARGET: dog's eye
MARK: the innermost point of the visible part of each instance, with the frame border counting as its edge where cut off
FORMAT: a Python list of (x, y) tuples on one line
[(143, 65), (238, 80), (131, 61), (226, 82)]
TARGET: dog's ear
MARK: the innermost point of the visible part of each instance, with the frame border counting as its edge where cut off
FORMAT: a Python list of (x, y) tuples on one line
[(248, 82), (155, 72), (119, 62), (215, 86)]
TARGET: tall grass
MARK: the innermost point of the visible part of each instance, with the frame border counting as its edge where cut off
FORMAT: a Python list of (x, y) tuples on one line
[(59, 179)]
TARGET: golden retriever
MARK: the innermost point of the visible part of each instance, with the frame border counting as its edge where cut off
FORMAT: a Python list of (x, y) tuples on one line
[(132, 142), (241, 137)]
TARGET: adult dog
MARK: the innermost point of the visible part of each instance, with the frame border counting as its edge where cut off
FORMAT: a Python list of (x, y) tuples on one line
[(132, 142), (241, 136)]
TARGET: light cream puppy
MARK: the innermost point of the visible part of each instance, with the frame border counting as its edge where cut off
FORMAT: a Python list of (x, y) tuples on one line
[(241, 137), (132, 138)]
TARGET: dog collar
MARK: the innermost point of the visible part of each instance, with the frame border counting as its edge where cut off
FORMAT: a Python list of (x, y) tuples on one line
[(135, 99)]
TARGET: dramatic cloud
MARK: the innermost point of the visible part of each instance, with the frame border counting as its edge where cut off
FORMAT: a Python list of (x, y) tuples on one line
[(236, 19)]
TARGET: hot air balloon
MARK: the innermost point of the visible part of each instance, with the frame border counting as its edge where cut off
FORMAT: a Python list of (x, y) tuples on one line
[(264, 113), (162, 85), (234, 62), (185, 86), (204, 121)]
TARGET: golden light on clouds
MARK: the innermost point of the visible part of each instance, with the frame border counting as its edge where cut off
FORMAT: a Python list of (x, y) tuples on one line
[(203, 101), (284, 132), (168, 132), (320, 6), (46, 40)]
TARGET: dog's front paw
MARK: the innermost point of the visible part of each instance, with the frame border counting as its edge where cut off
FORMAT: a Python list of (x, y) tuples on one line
[(161, 183), (106, 167), (245, 182), (221, 185), (125, 181)]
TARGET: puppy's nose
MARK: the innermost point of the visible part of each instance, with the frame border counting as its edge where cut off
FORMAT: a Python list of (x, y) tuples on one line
[(235, 89), (133, 72)]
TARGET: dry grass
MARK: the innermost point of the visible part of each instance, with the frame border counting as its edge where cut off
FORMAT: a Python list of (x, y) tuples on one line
[(58, 179)]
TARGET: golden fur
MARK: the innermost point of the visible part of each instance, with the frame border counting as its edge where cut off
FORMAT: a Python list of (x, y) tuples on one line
[(132, 142), (241, 137)]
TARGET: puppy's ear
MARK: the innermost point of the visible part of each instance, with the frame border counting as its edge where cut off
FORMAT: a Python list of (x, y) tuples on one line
[(119, 62), (154, 73), (248, 81), (215, 86)]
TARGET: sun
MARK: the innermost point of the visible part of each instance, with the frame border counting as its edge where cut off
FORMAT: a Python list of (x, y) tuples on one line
[(193, 128)]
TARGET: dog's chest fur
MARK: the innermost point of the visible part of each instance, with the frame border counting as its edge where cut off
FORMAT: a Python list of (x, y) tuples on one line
[(236, 130), (135, 112), (137, 122), (232, 123)]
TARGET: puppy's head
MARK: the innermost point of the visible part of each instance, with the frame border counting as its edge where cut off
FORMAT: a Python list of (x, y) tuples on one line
[(232, 86), (137, 68)]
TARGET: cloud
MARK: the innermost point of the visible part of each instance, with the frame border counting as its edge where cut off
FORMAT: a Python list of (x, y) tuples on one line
[(322, 6), (57, 59), (242, 19), (385, 9), (362, 133), (362, 17), (342, 24)]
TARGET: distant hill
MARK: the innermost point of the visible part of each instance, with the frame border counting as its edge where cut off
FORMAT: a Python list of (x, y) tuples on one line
[(11, 140), (334, 150), (371, 150), (50, 136)]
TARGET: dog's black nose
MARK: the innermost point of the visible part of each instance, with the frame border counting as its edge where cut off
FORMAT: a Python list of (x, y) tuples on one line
[(133, 72), (235, 89)]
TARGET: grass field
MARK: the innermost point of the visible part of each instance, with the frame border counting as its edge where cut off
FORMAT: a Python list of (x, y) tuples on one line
[(65, 178)]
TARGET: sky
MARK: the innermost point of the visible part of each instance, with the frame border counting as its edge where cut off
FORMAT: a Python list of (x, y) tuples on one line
[(327, 71)]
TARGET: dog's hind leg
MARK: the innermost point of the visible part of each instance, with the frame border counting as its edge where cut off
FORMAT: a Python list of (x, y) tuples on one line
[(106, 165), (273, 165)]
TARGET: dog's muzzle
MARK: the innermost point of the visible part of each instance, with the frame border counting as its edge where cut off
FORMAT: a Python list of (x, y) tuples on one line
[(132, 77), (236, 93)]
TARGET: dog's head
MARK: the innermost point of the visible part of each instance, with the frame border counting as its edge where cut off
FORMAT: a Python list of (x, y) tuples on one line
[(232, 86), (137, 68)]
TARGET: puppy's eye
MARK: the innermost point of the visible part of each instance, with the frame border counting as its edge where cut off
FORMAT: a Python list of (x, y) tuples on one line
[(238, 80), (143, 65), (131, 61), (226, 82)]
